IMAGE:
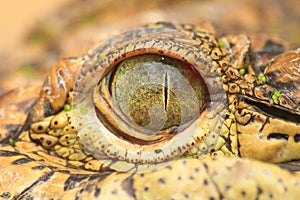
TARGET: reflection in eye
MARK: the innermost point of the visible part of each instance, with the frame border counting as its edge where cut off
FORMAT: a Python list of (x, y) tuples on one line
[(157, 92)]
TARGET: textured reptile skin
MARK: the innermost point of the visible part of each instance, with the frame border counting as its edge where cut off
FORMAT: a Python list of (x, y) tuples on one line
[(71, 141)]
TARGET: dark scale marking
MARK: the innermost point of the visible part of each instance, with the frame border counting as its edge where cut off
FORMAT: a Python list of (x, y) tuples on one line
[(267, 121), (47, 108), (273, 48), (5, 195), (186, 196), (40, 167), (73, 179), (205, 182), (97, 192), (278, 136), (297, 137), (169, 167), (274, 110), (26, 106), (258, 193), (13, 132), (64, 171), (157, 151), (162, 180), (200, 59), (40, 128), (212, 181), (81, 190), (60, 80), (243, 193), (190, 52), (114, 192), (154, 43), (29, 197), (127, 185), (44, 178), (8, 153), (21, 161)]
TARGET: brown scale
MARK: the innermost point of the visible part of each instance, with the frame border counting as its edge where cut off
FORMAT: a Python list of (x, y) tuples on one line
[(58, 134), (57, 166), (56, 88)]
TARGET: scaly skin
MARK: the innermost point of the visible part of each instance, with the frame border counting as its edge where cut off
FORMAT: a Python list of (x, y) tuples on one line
[(63, 151)]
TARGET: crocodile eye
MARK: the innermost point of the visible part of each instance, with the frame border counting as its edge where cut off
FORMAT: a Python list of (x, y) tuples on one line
[(155, 92), (145, 97)]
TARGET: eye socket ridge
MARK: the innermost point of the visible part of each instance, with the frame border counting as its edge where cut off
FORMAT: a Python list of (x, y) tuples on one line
[(95, 134)]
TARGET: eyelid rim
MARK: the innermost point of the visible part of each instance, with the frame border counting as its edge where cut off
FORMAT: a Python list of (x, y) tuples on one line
[(173, 43)]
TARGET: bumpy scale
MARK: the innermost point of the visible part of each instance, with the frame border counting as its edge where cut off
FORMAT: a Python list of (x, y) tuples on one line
[(79, 141)]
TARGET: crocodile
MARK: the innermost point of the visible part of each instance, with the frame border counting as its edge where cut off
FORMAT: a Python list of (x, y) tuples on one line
[(164, 111)]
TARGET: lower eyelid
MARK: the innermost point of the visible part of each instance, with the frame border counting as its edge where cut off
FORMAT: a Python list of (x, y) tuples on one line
[(120, 136)]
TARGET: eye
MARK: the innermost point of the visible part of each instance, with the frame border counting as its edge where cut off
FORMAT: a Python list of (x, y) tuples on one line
[(145, 97), (152, 94), (150, 90)]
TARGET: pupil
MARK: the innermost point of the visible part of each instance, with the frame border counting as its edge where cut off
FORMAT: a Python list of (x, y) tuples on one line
[(157, 92)]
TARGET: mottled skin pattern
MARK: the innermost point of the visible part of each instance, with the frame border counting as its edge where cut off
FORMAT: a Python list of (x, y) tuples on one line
[(46, 151)]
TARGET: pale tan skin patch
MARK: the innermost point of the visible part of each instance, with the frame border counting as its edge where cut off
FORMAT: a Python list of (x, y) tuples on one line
[(58, 156)]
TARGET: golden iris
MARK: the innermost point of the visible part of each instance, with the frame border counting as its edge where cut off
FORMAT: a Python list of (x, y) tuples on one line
[(156, 91)]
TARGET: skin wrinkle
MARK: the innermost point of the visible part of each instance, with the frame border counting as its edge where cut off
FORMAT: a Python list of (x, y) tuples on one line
[(94, 157)]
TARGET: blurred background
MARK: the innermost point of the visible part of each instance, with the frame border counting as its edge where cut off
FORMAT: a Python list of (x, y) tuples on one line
[(35, 34)]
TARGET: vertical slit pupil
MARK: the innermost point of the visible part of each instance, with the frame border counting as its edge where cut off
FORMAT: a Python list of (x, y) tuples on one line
[(166, 90), (157, 92)]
